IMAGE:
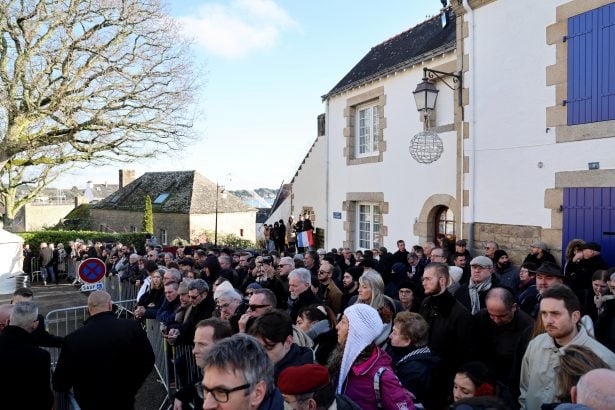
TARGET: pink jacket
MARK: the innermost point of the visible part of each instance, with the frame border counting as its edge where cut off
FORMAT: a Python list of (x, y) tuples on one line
[(359, 385)]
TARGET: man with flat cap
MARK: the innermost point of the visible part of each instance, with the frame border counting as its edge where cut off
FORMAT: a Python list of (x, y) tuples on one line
[(472, 294), (547, 275), (539, 253), (308, 387)]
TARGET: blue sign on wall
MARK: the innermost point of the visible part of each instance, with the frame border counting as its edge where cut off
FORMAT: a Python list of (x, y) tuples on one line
[(337, 215)]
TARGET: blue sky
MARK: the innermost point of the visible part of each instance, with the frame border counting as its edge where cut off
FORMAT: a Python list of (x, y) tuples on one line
[(266, 64)]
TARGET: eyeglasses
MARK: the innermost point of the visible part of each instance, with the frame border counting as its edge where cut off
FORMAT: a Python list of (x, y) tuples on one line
[(220, 394), (254, 307), (222, 306), (248, 294), (323, 272), (195, 297)]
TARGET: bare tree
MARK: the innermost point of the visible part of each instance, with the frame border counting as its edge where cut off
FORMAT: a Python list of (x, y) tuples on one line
[(88, 81)]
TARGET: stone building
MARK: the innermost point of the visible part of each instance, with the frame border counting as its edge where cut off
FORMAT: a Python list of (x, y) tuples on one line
[(185, 204), (524, 127)]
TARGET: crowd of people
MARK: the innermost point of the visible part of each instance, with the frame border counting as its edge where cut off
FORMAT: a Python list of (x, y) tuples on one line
[(427, 327)]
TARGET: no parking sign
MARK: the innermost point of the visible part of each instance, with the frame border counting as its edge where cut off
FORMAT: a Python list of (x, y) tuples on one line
[(92, 270)]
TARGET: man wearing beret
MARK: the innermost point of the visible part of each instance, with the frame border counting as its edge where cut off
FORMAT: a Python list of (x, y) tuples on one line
[(308, 387)]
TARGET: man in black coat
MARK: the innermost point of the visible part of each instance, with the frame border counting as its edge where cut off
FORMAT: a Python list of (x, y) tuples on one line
[(503, 331), (25, 367), (301, 295), (106, 361), (450, 328)]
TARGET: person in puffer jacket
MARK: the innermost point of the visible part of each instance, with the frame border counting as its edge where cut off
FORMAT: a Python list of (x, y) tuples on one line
[(360, 369)]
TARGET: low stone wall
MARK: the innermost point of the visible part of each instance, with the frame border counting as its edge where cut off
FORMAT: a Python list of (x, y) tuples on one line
[(514, 239)]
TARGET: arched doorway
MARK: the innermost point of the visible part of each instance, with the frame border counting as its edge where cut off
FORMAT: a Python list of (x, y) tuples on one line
[(444, 224), (439, 215)]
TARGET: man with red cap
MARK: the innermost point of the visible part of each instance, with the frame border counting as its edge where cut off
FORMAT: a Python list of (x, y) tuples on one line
[(308, 387)]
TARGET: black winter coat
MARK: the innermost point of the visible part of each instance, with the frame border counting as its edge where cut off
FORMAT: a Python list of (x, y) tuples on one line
[(25, 371), (105, 350)]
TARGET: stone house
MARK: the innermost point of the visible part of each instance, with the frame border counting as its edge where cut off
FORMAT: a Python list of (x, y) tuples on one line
[(524, 127), (185, 204)]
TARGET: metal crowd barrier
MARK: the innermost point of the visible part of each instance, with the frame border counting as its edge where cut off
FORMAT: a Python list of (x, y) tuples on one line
[(175, 365)]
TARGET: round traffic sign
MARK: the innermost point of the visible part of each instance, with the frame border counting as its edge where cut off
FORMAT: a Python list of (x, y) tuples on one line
[(92, 270)]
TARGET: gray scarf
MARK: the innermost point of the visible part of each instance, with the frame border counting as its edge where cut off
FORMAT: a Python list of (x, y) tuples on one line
[(474, 291)]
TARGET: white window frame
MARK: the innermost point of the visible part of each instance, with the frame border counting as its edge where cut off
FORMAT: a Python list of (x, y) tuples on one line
[(163, 236), (369, 221), (367, 130)]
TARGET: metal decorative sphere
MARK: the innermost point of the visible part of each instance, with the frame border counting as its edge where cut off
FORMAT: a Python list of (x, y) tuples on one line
[(426, 147)]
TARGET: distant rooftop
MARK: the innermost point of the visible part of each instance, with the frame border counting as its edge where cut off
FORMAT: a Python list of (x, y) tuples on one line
[(173, 192)]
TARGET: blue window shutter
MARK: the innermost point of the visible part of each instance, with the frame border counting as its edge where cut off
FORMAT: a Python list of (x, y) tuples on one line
[(591, 66)]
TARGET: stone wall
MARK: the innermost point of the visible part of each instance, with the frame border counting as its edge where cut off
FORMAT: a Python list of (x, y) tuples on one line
[(36, 217), (126, 221), (514, 239)]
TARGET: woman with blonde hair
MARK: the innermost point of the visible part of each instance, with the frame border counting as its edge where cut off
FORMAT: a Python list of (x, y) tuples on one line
[(371, 292), (574, 363)]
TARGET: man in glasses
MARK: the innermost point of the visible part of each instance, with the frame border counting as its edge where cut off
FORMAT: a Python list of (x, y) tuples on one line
[(260, 301), (238, 375), (203, 306), (328, 290)]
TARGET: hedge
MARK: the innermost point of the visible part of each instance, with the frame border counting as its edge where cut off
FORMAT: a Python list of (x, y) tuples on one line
[(34, 239)]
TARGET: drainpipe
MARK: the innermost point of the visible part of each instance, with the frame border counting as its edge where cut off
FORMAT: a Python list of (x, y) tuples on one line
[(327, 177), (471, 118)]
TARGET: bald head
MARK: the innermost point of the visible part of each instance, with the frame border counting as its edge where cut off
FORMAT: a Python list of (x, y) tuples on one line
[(595, 389), (99, 301)]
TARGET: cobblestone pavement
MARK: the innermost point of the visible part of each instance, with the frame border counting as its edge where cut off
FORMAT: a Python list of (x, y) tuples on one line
[(64, 295)]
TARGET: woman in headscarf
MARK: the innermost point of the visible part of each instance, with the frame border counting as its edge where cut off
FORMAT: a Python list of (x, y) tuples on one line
[(360, 369)]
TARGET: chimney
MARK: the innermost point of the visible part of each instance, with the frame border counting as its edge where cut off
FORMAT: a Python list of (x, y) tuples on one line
[(126, 177), (321, 125)]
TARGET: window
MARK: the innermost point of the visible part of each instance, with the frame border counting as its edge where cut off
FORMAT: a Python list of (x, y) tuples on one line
[(445, 223), (369, 220), (591, 67), (367, 130), (163, 236), (133, 228), (161, 198)]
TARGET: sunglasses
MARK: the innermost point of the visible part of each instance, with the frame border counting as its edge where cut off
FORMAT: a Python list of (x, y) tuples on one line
[(254, 307)]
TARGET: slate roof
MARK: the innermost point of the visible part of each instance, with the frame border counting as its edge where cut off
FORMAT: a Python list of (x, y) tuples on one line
[(103, 190), (422, 41), (283, 193), (188, 192)]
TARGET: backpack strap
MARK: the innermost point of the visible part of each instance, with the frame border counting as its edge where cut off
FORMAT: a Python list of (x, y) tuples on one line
[(377, 377)]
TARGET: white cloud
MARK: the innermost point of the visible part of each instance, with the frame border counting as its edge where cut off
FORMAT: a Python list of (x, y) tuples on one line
[(237, 29)]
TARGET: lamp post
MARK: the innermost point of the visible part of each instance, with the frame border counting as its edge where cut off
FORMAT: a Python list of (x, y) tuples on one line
[(219, 190)]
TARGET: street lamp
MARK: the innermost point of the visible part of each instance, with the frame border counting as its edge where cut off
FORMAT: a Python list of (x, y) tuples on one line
[(219, 190), (425, 96), (426, 146)]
